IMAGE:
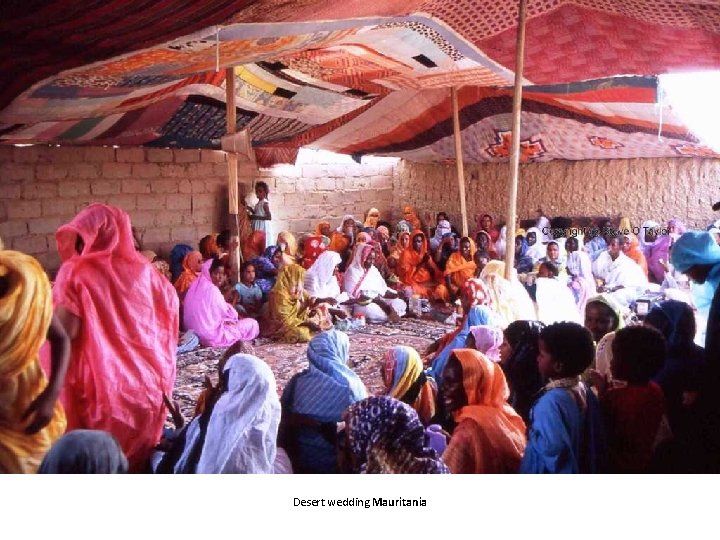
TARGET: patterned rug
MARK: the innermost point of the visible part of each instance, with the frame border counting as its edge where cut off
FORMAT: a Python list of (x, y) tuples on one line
[(367, 346)]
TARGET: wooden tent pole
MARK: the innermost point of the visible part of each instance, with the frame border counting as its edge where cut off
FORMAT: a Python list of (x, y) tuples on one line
[(459, 158), (232, 161), (515, 148)]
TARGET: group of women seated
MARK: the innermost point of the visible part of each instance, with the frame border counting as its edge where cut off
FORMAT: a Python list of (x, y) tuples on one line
[(502, 392)]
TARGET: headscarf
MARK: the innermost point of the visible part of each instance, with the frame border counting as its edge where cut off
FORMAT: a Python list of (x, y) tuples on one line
[(85, 451), (636, 254), (501, 430), (460, 269), (644, 244), (313, 247), (287, 307), (618, 310), (582, 281), (208, 247), (215, 322), (254, 245), (510, 298), (123, 360), (537, 250), (697, 248), (491, 249), (386, 436), (521, 367), (409, 383), (399, 248), (288, 238), (676, 315), (477, 292), (488, 340), (359, 279), (625, 224), (409, 259), (183, 282), (411, 217), (25, 314), (241, 433), (177, 255), (372, 217), (443, 227), (329, 385), (523, 262), (346, 217), (679, 225), (320, 226), (403, 227), (320, 280), (383, 232), (543, 223), (478, 315)]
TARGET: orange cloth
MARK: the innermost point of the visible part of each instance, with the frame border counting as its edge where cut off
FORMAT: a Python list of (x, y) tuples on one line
[(254, 245), (490, 436), (458, 268), (411, 217), (320, 226), (291, 247), (425, 281), (208, 247), (338, 242), (491, 250), (636, 254), (123, 358), (25, 314), (190, 261)]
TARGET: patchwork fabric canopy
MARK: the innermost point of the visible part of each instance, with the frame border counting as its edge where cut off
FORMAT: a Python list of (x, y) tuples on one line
[(356, 77)]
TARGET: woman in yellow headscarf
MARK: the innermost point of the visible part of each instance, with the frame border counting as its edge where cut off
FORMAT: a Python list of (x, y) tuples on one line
[(288, 245), (25, 317), (412, 218), (406, 380), (292, 315), (371, 218)]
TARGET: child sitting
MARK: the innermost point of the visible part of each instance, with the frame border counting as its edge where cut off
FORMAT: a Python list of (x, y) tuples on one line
[(249, 293), (634, 407), (566, 433)]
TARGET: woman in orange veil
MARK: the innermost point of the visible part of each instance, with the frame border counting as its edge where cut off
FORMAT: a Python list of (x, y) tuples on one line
[(417, 270)]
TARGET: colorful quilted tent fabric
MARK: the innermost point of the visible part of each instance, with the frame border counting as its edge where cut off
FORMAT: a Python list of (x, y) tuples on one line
[(357, 77)]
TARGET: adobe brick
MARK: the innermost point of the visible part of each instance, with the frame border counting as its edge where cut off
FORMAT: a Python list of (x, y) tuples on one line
[(105, 188), (100, 154), (116, 170), (159, 155), (130, 155)]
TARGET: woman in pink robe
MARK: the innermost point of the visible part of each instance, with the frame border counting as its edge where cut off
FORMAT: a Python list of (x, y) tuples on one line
[(205, 311), (122, 318)]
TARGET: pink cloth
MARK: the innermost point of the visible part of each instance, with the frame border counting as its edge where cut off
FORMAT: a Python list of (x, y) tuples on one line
[(659, 251), (214, 321), (123, 358), (488, 340)]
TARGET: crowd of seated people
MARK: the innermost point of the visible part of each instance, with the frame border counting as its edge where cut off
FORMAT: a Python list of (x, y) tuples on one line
[(546, 371)]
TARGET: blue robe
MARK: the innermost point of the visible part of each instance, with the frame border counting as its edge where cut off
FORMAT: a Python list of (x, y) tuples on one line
[(562, 438)]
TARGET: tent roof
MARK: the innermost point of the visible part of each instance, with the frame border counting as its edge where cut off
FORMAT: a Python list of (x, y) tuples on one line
[(356, 76)]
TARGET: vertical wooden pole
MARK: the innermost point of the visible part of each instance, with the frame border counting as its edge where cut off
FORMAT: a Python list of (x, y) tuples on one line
[(515, 148), (459, 158), (232, 161)]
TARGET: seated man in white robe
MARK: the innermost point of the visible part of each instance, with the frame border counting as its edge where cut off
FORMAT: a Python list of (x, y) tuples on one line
[(369, 294), (623, 277)]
